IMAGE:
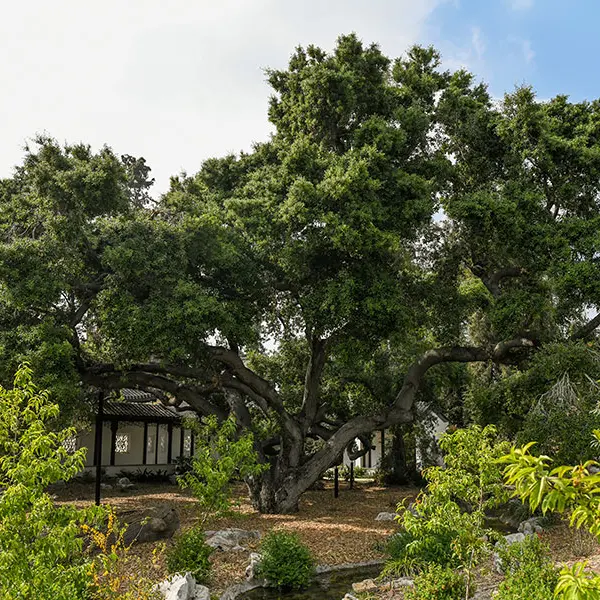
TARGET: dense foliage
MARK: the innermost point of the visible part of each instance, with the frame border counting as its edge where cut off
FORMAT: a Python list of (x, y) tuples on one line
[(438, 583), (220, 456), (190, 553), (40, 543), (446, 524), (399, 221), (530, 573), (286, 562), (564, 489)]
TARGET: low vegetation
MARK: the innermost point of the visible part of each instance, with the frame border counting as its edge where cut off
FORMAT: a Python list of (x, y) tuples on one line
[(530, 572), (191, 553), (286, 562), (445, 526)]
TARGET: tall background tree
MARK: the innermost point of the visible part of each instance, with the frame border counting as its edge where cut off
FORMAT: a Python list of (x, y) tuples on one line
[(397, 221)]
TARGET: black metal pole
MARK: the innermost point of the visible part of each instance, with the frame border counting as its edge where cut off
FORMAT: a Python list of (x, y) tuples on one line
[(98, 444), (351, 474), (336, 483)]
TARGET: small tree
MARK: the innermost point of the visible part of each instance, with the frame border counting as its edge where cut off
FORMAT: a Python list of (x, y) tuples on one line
[(40, 543), (445, 527), (220, 457)]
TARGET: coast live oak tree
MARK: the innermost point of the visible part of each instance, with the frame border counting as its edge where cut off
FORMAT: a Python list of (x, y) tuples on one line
[(398, 219)]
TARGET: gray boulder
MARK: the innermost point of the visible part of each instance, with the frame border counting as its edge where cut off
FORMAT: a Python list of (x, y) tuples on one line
[(150, 525), (228, 540), (366, 585), (385, 516), (182, 587), (402, 582), (252, 568), (508, 540), (531, 526), (201, 593), (123, 484)]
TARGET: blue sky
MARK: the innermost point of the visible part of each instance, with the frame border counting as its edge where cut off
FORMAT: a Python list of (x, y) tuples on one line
[(551, 44), (180, 81)]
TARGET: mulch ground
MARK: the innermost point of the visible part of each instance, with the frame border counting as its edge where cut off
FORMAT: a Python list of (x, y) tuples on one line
[(341, 530), (337, 530)]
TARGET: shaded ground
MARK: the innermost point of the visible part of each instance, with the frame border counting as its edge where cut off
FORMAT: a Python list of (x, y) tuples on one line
[(336, 530)]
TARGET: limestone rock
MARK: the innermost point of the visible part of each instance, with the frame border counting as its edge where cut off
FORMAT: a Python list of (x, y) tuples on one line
[(367, 585), (531, 526), (201, 593), (514, 538), (511, 538), (402, 582), (123, 484), (227, 540), (150, 525), (385, 516), (178, 587), (252, 568), (182, 587)]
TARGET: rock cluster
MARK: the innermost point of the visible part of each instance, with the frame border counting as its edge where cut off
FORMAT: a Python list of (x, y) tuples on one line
[(182, 587), (252, 568), (526, 528)]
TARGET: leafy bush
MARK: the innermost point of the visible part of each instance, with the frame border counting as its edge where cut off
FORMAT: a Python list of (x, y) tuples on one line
[(190, 553), (572, 489), (410, 554), (221, 455), (111, 564), (437, 529), (438, 583), (344, 473), (530, 574), (286, 561), (40, 543)]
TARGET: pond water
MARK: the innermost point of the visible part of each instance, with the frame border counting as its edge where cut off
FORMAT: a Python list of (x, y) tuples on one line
[(328, 586)]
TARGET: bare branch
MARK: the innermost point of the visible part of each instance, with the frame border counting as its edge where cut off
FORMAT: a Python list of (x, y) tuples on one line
[(585, 331)]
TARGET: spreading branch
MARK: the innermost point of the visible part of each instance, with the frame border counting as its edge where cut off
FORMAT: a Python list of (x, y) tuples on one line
[(585, 331)]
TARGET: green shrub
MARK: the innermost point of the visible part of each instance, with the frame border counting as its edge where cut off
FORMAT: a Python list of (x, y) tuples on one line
[(438, 583), (530, 574), (286, 561), (40, 543), (410, 554), (446, 524), (190, 553)]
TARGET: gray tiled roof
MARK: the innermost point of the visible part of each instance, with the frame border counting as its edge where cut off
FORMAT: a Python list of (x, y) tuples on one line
[(137, 395), (144, 410)]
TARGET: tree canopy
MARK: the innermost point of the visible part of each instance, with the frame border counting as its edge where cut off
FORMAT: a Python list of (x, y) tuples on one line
[(399, 218)]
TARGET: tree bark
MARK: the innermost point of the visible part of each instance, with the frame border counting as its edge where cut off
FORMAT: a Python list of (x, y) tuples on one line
[(291, 472)]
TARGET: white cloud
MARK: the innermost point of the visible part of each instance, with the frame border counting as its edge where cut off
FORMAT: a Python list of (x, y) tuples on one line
[(469, 56), (477, 42), (175, 82), (528, 53)]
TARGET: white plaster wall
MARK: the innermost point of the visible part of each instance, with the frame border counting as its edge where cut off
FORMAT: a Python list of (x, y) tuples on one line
[(133, 458), (134, 455), (375, 453)]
